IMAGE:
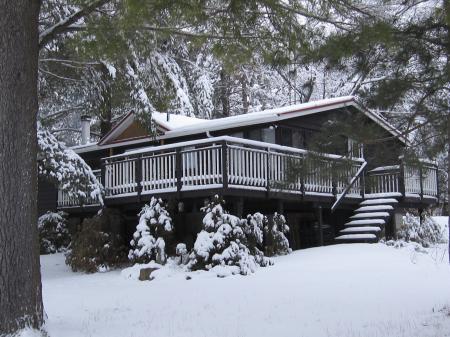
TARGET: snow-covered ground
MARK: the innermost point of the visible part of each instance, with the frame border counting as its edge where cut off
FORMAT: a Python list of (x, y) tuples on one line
[(343, 290)]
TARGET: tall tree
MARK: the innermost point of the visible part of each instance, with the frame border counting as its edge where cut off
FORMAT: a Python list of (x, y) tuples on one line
[(408, 47), (20, 278)]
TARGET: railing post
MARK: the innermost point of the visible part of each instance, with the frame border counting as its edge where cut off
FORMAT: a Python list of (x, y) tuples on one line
[(103, 176), (269, 169), (436, 168), (224, 164), (401, 179), (302, 177), (178, 169), (362, 183), (138, 177), (333, 181), (421, 180)]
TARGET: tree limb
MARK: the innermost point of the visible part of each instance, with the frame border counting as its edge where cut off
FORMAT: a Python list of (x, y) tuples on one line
[(64, 25)]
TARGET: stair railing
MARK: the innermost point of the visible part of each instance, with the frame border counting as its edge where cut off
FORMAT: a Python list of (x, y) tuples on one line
[(349, 186)]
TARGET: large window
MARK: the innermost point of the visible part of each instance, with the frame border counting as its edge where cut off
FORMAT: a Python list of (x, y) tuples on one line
[(300, 138)]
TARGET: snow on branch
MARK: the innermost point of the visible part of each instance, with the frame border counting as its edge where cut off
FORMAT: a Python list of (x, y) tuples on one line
[(66, 169), (65, 25)]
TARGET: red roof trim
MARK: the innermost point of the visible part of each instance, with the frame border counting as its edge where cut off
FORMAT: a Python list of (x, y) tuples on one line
[(317, 106)]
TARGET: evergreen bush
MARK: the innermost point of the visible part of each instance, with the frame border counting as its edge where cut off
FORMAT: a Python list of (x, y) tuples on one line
[(153, 230), (275, 232), (96, 247), (223, 242), (427, 233), (53, 233)]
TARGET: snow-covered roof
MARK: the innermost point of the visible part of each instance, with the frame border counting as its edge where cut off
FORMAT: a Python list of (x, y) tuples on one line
[(180, 125), (164, 123), (175, 121), (278, 114)]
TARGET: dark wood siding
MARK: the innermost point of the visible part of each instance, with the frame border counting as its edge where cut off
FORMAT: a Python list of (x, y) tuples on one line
[(47, 197)]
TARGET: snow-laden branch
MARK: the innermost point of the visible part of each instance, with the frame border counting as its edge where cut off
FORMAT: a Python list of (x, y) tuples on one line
[(67, 170), (65, 25)]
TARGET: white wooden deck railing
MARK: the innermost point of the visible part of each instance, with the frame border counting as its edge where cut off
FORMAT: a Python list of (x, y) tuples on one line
[(229, 162), (65, 199), (420, 180), (223, 162)]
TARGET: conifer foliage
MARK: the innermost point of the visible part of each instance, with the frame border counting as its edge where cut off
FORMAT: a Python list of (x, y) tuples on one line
[(152, 231), (66, 169), (426, 232), (275, 233), (224, 241), (97, 247), (53, 233)]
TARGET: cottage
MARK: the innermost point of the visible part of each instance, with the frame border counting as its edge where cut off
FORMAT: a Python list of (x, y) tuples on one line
[(348, 195)]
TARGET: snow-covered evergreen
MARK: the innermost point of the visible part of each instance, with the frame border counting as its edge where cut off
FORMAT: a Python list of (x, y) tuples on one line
[(222, 242), (53, 233), (427, 233), (254, 233), (275, 232), (149, 239), (66, 169)]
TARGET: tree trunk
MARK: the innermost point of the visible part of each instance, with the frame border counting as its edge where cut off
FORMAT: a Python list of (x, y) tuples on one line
[(245, 103), (448, 181), (225, 93), (105, 102), (20, 279)]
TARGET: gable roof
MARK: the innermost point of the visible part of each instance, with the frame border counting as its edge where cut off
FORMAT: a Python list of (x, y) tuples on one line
[(278, 114), (179, 125), (161, 123)]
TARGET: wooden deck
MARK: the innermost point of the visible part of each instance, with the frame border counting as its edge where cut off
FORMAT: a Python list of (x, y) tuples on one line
[(235, 165)]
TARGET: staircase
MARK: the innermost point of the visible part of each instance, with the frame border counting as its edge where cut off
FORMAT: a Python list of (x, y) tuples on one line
[(368, 221)]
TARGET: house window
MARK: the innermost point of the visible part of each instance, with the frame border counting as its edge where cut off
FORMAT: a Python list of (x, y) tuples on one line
[(268, 135), (255, 134), (298, 139), (238, 134), (285, 136), (355, 149)]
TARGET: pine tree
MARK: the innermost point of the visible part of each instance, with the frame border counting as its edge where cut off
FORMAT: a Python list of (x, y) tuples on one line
[(20, 280), (67, 170), (254, 233), (408, 47), (53, 232), (152, 231), (275, 232), (221, 242)]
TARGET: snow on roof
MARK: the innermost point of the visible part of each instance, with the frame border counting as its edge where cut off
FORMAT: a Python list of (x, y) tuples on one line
[(180, 125), (265, 116), (175, 121)]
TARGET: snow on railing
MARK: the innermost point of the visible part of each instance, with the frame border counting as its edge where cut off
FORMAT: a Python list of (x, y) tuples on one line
[(223, 162), (67, 199), (405, 179)]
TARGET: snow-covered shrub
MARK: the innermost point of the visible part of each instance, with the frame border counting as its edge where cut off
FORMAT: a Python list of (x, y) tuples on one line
[(254, 234), (66, 169), (275, 232), (148, 241), (53, 233), (221, 243), (182, 253), (95, 248), (428, 233)]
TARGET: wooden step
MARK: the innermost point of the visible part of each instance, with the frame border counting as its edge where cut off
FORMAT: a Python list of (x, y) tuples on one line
[(366, 222), (385, 201), (356, 238), (361, 230), (371, 215), (374, 208)]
